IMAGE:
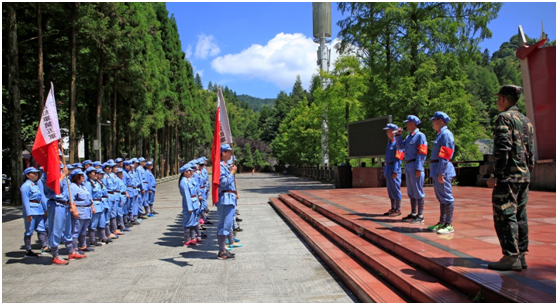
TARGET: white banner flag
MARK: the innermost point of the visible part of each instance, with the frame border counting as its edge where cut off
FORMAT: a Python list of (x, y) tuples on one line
[(226, 136), (49, 120)]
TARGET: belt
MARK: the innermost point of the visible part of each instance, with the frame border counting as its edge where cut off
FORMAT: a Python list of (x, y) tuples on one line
[(96, 199), (104, 197), (409, 161), (111, 193), (60, 201), (434, 161), (234, 192), (35, 201), (129, 185), (202, 187), (83, 206), (124, 193), (193, 196), (145, 182), (389, 163)]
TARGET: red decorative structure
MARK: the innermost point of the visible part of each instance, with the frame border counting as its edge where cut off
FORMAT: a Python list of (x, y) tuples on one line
[(538, 67)]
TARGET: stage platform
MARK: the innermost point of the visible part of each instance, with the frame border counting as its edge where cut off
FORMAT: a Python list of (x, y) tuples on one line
[(383, 259)]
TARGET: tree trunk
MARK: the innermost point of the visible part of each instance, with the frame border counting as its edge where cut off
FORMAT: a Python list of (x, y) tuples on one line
[(73, 139), (99, 104), (155, 156), (115, 137), (41, 73), (129, 138), (15, 122), (163, 157), (108, 142)]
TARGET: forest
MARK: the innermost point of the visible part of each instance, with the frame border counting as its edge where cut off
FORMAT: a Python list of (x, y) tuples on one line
[(123, 62)]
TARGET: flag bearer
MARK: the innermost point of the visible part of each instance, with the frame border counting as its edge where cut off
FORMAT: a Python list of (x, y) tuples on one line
[(226, 203)]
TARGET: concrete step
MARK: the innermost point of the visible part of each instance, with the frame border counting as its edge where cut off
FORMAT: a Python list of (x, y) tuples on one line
[(493, 286), (362, 283), (413, 282)]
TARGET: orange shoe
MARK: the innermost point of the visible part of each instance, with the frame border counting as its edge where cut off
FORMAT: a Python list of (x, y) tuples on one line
[(76, 255), (58, 261), (116, 232)]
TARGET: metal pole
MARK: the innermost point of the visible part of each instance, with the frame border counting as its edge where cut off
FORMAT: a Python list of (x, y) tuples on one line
[(324, 66)]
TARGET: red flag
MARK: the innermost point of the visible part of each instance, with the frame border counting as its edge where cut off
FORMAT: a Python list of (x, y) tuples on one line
[(45, 148), (216, 159)]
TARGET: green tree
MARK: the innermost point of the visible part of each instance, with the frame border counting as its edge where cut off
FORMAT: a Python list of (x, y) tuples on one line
[(247, 159), (198, 81), (258, 160)]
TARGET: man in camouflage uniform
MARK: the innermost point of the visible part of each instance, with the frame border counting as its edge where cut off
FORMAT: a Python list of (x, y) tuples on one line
[(513, 153)]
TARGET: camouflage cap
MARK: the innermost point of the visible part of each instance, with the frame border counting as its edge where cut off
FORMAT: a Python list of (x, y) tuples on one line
[(510, 90)]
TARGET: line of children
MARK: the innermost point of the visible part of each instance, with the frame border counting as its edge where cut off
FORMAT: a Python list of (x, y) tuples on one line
[(103, 200)]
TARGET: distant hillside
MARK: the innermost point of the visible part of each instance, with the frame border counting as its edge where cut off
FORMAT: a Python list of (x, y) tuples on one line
[(256, 103)]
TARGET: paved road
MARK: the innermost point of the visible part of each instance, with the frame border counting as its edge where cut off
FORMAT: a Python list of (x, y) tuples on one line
[(149, 264)]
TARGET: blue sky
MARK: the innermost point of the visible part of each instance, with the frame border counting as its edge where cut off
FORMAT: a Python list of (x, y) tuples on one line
[(259, 48)]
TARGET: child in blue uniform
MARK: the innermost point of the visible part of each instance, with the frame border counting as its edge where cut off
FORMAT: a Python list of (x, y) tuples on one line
[(33, 210), (82, 199), (392, 172)]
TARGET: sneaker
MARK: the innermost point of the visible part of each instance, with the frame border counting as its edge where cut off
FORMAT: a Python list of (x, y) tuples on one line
[(188, 243), (236, 245), (87, 249), (78, 250), (446, 229), (117, 232), (238, 229), (154, 213), (409, 217), (229, 248), (238, 219), (203, 228), (395, 214), (418, 219), (142, 217), (207, 222), (388, 212), (225, 255), (112, 236), (507, 263), (31, 254), (76, 255), (59, 261), (203, 235), (236, 240), (522, 260), (45, 250), (126, 229), (436, 227), (150, 215), (96, 244), (198, 240)]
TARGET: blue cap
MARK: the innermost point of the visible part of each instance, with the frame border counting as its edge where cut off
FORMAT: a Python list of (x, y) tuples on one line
[(105, 165), (75, 172), (134, 160), (391, 126), (90, 169), (86, 162), (70, 166), (148, 163), (100, 171), (30, 170), (141, 159), (225, 147), (201, 161), (78, 165), (127, 162), (184, 168), (413, 119), (119, 170), (97, 163), (110, 161), (441, 115), (118, 160)]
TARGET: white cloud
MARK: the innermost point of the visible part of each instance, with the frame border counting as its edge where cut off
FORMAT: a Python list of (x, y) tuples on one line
[(279, 62), (206, 47), (189, 52)]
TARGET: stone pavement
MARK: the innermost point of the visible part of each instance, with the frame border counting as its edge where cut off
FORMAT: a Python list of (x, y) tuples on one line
[(150, 264)]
